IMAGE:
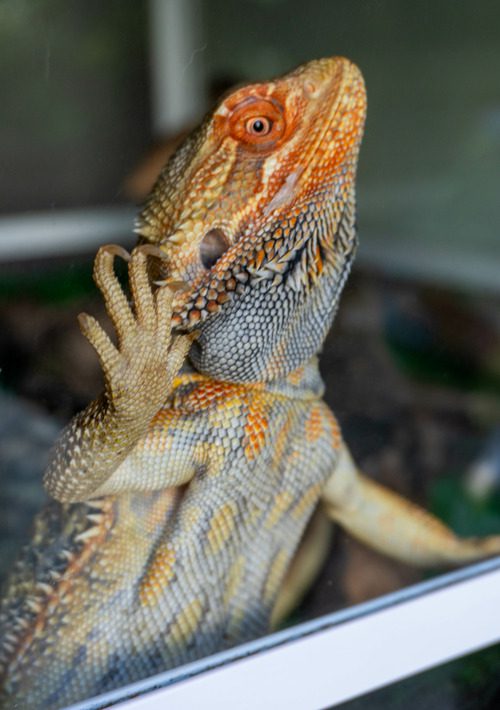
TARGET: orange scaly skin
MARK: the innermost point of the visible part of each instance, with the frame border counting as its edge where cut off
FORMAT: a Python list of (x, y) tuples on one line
[(184, 498)]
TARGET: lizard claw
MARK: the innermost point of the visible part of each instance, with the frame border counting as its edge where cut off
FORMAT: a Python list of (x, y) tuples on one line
[(173, 284), (115, 250), (151, 250)]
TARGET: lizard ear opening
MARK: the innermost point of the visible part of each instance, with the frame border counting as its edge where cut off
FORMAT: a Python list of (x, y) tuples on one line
[(212, 247)]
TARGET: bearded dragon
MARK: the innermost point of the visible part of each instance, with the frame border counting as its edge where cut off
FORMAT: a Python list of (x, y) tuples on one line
[(182, 500)]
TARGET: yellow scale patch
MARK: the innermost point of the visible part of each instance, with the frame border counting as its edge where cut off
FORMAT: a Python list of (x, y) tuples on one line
[(307, 501), (253, 514), (279, 445), (234, 578), (191, 517), (223, 415), (221, 526), (281, 504), (186, 623), (314, 425), (159, 574), (211, 454), (276, 572)]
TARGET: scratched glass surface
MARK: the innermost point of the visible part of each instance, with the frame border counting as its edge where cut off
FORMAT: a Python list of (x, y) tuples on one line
[(412, 366)]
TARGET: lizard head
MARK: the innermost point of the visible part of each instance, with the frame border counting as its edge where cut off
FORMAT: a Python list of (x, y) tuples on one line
[(255, 216)]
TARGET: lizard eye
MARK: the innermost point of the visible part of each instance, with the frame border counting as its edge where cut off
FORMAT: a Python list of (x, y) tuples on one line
[(259, 126), (212, 247), (258, 123)]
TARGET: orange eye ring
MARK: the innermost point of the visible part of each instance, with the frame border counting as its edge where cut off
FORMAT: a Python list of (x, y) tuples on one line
[(257, 122)]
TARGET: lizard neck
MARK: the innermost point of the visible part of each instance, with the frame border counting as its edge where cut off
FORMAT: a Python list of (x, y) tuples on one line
[(303, 383), (280, 321)]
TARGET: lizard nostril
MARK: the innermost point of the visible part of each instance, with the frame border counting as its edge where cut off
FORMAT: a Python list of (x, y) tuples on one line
[(212, 247), (310, 89)]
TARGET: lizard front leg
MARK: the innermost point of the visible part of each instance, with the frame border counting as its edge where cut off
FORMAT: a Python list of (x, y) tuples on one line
[(394, 526), (138, 375)]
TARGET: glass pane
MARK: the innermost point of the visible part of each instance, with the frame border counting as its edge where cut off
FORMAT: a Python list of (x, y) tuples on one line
[(412, 365), (470, 683)]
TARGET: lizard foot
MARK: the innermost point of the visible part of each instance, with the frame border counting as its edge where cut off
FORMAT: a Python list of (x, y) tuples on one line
[(139, 371)]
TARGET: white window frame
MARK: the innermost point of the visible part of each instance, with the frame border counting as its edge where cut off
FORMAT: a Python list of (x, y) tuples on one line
[(337, 657)]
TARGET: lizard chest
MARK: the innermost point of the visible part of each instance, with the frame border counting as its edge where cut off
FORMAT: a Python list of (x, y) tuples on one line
[(262, 462)]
